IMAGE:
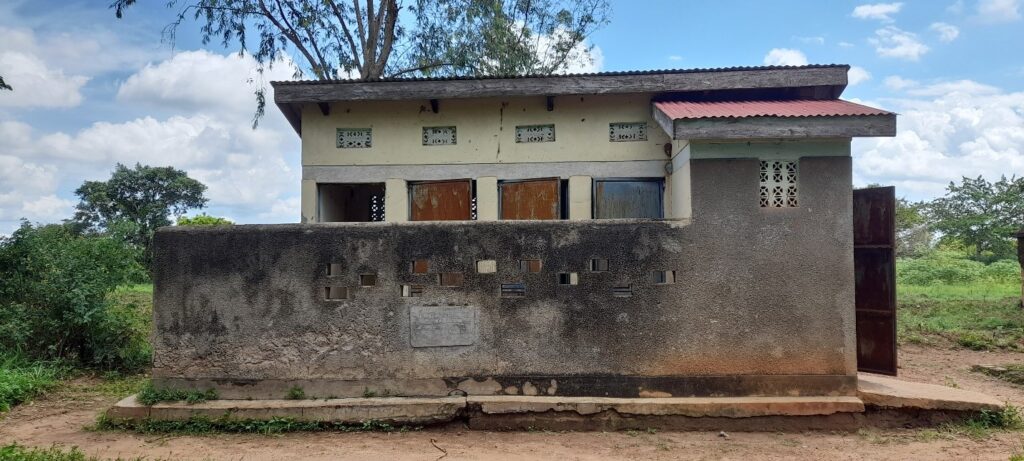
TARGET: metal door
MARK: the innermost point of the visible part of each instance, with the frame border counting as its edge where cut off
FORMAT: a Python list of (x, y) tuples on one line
[(531, 199), (628, 198), (874, 261), (441, 200)]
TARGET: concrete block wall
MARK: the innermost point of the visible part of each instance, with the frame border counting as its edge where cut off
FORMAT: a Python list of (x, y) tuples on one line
[(762, 302)]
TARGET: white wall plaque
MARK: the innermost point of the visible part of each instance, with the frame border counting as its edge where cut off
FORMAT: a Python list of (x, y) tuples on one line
[(438, 326), (535, 133), (625, 132), (439, 135), (355, 138)]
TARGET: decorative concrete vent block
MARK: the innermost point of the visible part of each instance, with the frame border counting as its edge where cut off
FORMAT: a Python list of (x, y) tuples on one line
[(535, 133), (627, 132), (486, 266), (335, 293), (355, 138), (779, 184), (439, 136), (568, 278)]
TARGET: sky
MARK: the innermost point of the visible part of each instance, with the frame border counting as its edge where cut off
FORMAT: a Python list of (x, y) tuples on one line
[(92, 91)]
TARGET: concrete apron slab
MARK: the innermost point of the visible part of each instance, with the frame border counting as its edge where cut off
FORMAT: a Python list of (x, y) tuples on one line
[(883, 402)]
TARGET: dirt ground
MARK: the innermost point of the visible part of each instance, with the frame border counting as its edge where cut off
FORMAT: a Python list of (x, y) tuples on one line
[(62, 418)]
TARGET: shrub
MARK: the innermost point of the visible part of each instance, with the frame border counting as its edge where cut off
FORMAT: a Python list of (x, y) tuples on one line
[(150, 395), (1003, 271), (203, 219), (949, 267), (54, 297)]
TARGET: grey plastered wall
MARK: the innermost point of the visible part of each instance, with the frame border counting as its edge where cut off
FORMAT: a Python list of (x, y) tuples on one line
[(762, 304)]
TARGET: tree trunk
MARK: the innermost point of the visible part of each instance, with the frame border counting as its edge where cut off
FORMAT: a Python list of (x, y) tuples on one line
[(1020, 259)]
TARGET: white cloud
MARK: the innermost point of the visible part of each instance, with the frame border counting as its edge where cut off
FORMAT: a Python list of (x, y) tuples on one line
[(250, 173), (897, 83), (812, 40), (858, 75), (892, 42), (998, 11), (846, 45), (675, 57), (953, 129), (947, 32), (585, 57), (956, 7), (878, 11), (37, 84), (785, 57)]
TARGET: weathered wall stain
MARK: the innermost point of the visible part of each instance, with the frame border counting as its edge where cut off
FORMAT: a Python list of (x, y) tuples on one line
[(762, 304)]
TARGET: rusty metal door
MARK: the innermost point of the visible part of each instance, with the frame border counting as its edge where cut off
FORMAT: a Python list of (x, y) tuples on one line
[(874, 262), (628, 198), (531, 199), (441, 200)]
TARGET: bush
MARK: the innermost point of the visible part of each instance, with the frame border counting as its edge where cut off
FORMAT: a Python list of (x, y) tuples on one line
[(203, 219), (54, 298), (947, 267)]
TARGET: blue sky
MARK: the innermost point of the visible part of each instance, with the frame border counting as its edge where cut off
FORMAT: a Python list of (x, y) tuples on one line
[(92, 90)]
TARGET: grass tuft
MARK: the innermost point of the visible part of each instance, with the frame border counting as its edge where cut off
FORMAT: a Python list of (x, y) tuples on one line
[(15, 452), (201, 425), (150, 395), (21, 381)]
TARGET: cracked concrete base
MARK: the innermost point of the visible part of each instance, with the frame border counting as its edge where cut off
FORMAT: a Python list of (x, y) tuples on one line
[(883, 402)]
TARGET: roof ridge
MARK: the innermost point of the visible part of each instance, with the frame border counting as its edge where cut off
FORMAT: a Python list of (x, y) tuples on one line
[(583, 74)]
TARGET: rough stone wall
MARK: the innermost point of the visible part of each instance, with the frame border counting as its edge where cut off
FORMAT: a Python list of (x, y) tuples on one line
[(762, 302)]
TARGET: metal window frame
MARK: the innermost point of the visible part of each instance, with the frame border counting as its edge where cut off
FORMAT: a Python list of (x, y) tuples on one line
[(593, 194)]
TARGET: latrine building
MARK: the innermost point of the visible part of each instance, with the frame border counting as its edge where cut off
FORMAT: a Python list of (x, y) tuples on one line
[(661, 233)]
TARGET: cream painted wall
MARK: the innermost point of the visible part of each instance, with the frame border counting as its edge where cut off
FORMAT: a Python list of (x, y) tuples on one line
[(485, 131), (581, 197), (309, 201)]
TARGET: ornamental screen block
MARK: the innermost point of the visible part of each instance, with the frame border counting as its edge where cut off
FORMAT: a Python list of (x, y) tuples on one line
[(779, 180), (626, 132), (439, 136), (535, 133), (355, 138)]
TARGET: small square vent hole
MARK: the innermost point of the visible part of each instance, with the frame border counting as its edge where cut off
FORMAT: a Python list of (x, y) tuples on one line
[(412, 291), (333, 269), (598, 265), (367, 280), (513, 290), (623, 291), (450, 279), (486, 266), (568, 278), (663, 277), (335, 293), (530, 265), (419, 266)]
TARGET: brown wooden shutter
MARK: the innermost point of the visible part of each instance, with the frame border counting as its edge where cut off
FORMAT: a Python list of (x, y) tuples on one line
[(441, 200), (532, 199)]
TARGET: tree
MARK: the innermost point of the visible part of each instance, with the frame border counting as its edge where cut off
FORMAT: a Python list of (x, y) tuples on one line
[(335, 39), (136, 201), (203, 219), (4, 85), (981, 214), (914, 236)]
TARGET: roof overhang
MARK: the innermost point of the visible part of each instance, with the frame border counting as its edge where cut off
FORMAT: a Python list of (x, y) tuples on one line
[(812, 82), (771, 119)]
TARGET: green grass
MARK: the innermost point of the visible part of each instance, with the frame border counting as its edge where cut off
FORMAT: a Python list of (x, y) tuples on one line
[(200, 425), (150, 395), (21, 381), (979, 316), (15, 452)]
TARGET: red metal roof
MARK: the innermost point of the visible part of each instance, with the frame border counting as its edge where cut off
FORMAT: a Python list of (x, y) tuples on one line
[(741, 109)]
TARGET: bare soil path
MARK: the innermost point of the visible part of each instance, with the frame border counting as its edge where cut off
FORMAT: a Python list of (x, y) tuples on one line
[(62, 417)]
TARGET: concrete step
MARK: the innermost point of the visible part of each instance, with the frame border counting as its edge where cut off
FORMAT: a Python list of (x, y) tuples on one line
[(885, 392)]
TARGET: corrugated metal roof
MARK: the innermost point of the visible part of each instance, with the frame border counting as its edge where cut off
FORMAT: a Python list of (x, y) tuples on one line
[(592, 74), (677, 110)]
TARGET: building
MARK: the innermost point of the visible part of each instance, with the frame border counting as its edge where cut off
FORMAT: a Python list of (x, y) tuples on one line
[(629, 234)]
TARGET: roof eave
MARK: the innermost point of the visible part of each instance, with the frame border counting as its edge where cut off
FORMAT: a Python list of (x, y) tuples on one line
[(850, 126), (831, 79)]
